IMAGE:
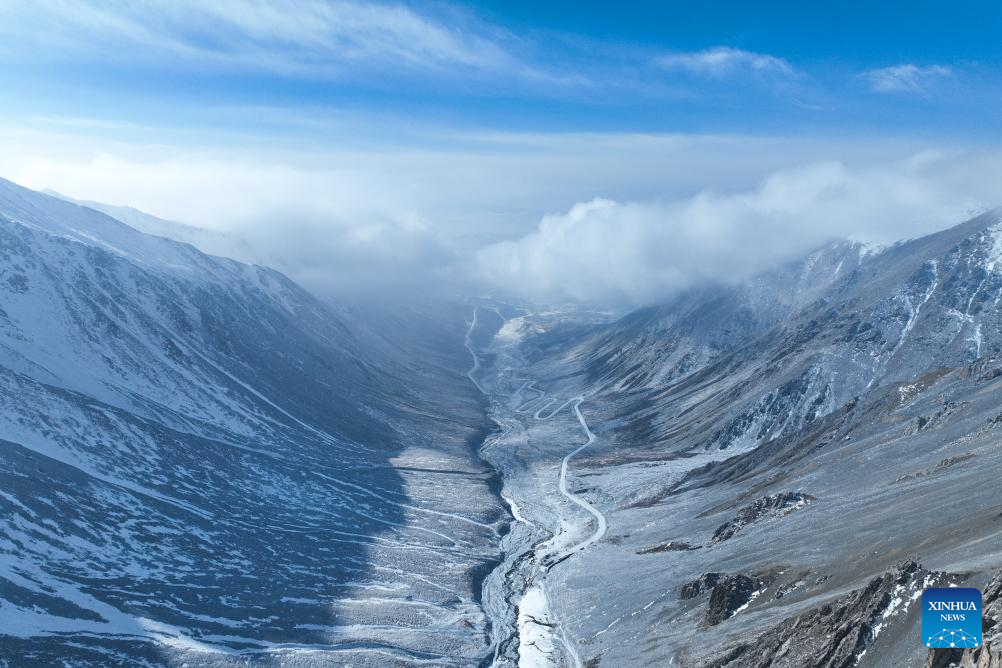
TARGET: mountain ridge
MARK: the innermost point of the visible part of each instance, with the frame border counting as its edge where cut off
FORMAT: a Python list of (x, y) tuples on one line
[(871, 389), (202, 462)]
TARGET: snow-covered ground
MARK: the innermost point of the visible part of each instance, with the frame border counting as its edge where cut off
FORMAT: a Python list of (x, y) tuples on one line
[(201, 462)]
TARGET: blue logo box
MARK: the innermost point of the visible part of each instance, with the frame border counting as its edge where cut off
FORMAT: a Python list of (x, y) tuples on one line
[(951, 617)]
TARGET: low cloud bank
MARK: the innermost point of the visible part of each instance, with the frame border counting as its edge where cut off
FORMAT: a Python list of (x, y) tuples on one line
[(614, 253), (334, 230), (633, 222)]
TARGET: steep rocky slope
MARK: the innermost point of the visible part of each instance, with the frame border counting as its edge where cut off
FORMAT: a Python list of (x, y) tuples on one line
[(861, 386)]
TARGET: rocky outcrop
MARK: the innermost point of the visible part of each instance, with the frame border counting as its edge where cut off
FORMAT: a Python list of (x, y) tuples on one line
[(728, 596), (768, 506), (705, 582), (938, 418), (989, 655), (939, 468), (835, 634), (670, 546)]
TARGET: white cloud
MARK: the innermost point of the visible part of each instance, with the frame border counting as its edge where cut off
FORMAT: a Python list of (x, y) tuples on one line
[(609, 252), (289, 36), (724, 60), (397, 218), (326, 227), (480, 186), (906, 78)]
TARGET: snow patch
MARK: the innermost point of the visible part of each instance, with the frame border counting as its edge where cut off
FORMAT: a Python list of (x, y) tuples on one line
[(994, 256), (537, 644)]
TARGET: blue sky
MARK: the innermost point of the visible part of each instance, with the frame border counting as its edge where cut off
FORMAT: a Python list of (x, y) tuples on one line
[(855, 68), (386, 136)]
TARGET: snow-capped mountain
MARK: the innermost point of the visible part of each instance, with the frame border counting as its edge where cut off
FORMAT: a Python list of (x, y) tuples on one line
[(798, 342), (207, 241), (203, 463), (766, 474)]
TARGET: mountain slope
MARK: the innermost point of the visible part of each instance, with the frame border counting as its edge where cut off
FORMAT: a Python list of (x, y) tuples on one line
[(207, 241), (800, 342), (767, 449), (201, 462)]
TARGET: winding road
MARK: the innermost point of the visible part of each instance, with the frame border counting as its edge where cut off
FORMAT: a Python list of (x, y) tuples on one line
[(472, 373), (601, 525), (600, 522)]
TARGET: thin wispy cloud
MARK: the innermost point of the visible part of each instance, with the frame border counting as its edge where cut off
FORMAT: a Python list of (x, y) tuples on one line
[(724, 60), (85, 123), (906, 78), (302, 36)]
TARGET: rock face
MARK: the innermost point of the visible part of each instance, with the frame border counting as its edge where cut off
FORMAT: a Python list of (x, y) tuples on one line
[(727, 597), (728, 593), (774, 505), (834, 635), (693, 589), (989, 655)]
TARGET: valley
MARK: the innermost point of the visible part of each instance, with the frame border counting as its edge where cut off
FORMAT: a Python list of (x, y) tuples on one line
[(201, 462), (205, 464), (688, 478)]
